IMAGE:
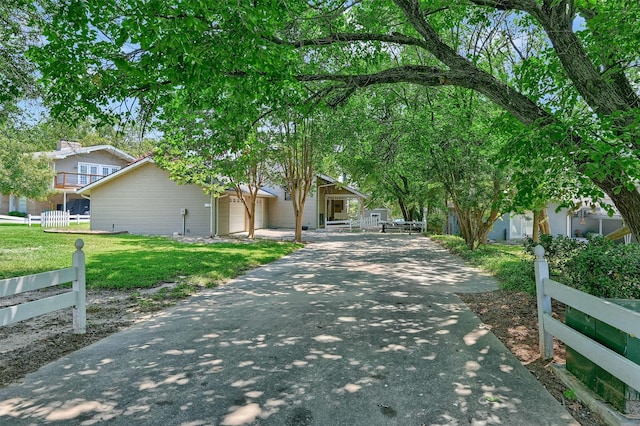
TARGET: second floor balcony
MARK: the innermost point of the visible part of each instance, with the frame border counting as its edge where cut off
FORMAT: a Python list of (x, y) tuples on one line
[(68, 180)]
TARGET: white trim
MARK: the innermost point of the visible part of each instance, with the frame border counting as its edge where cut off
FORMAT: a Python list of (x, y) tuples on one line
[(64, 153), (333, 181)]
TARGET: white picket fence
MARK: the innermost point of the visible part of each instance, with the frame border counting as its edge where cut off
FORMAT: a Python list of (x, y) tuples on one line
[(75, 298), (615, 315), (366, 223), (48, 219)]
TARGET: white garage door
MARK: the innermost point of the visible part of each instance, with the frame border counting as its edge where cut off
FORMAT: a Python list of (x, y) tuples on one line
[(259, 223), (236, 215)]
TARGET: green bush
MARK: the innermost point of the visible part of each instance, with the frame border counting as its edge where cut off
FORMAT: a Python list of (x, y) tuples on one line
[(600, 267), (605, 269), (17, 214)]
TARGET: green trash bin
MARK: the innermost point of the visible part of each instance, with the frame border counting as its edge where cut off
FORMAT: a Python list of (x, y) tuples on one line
[(622, 397)]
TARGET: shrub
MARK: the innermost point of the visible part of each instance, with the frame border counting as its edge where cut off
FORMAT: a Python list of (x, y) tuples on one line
[(605, 269), (558, 251), (17, 214), (600, 267)]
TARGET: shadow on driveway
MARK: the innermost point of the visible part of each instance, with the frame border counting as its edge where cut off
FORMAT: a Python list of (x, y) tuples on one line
[(354, 329)]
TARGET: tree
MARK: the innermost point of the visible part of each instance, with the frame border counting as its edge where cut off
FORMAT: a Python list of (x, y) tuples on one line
[(379, 139), (194, 153), (298, 149), (332, 49), (21, 173), (17, 73)]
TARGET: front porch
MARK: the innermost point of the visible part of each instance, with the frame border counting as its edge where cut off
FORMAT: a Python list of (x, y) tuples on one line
[(338, 202)]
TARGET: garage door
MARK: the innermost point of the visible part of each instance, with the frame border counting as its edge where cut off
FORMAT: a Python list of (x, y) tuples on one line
[(259, 213), (236, 215)]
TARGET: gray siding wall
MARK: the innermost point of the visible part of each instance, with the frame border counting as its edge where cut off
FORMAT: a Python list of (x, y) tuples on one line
[(70, 164), (557, 221), (223, 212), (499, 232), (146, 201), (280, 211)]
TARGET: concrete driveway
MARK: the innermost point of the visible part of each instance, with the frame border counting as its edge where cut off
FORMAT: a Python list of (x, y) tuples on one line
[(354, 329)]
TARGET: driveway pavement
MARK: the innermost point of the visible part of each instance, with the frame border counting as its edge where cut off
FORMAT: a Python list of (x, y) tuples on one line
[(354, 329)]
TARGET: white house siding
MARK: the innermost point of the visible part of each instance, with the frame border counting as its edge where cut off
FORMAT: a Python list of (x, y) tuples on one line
[(280, 211), (146, 201), (236, 215)]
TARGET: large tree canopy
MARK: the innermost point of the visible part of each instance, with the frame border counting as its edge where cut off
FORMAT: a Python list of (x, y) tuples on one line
[(17, 74), (566, 66)]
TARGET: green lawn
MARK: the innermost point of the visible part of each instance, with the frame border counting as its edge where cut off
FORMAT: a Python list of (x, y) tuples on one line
[(131, 262), (507, 262)]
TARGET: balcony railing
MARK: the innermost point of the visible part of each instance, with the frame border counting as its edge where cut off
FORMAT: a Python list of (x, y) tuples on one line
[(74, 180)]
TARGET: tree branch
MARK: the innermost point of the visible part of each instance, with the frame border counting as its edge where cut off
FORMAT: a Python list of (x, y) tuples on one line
[(395, 38), (514, 102)]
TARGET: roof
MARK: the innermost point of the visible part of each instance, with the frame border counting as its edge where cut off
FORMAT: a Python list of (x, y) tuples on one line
[(87, 189), (68, 152), (342, 185), (261, 192)]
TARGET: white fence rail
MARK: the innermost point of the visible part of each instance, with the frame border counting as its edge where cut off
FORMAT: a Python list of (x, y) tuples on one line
[(76, 298), (57, 219), (615, 315), (12, 219), (351, 224), (371, 223)]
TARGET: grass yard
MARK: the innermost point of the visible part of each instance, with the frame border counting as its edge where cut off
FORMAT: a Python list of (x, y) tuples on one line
[(132, 262), (507, 262)]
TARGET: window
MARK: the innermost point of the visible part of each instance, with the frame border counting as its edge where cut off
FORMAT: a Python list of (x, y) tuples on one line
[(94, 172), (22, 204), (90, 172), (83, 169)]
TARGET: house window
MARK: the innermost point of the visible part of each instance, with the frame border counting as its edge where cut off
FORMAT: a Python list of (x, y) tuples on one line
[(94, 172), (83, 169), (22, 204), (90, 172)]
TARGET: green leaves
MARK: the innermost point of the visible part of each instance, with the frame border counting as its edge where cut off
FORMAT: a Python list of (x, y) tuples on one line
[(21, 173)]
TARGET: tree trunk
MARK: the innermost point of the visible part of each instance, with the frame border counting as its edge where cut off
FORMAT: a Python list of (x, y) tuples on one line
[(251, 213), (472, 226), (298, 231), (536, 226), (627, 201), (403, 208), (545, 228)]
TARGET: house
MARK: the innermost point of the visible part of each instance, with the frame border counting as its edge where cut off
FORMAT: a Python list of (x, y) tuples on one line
[(142, 199), (574, 223), (329, 200), (75, 166)]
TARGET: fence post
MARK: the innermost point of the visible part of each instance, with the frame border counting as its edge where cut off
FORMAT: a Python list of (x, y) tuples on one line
[(29, 219), (544, 302), (80, 289)]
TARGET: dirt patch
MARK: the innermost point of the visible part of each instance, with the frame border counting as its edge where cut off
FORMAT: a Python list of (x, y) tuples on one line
[(28, 345), (512, 318)]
